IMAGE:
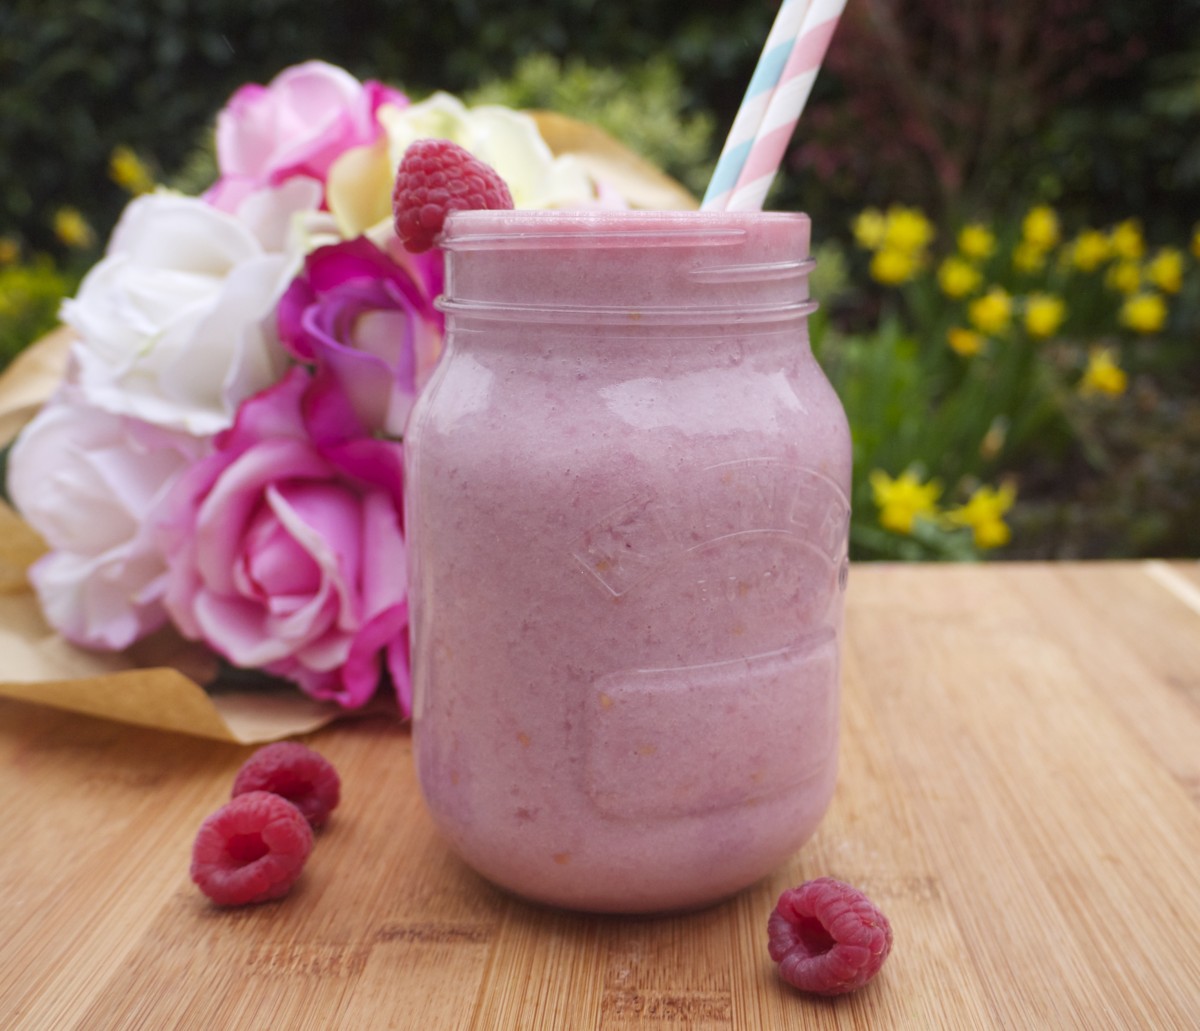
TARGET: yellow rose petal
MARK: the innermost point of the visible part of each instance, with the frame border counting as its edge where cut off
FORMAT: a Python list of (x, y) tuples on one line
[(359, 188)]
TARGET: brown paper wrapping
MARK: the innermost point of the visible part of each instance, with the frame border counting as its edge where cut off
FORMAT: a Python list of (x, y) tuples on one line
[(31, 377), (638, 181), (157, 683)]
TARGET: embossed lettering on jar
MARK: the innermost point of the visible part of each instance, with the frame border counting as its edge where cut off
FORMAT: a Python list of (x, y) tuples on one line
[(627, 504)]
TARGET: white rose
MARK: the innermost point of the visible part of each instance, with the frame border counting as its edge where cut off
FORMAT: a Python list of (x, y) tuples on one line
[(176, 323), (87, 481), (507, 140)]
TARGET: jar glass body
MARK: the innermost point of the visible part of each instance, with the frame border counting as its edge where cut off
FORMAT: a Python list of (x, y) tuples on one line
[(627, 508)]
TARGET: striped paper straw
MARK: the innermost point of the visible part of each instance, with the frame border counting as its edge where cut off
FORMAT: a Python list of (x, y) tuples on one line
[(767, 73), (764, 154)]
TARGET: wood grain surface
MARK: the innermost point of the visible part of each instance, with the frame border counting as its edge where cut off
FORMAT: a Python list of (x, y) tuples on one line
[(1020, 792)]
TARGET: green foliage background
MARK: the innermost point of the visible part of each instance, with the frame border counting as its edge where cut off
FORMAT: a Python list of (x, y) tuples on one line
[(967, 111), (80, 76)]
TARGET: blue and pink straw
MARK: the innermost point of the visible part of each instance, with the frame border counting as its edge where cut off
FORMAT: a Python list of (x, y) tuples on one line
[(776, 96)]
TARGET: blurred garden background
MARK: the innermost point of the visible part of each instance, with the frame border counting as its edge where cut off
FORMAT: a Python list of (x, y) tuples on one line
[(1006, 202)]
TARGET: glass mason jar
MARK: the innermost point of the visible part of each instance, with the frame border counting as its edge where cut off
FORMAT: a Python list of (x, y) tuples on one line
[(627, 509)]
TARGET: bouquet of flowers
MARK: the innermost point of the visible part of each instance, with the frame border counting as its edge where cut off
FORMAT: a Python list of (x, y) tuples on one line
[(225, 453)]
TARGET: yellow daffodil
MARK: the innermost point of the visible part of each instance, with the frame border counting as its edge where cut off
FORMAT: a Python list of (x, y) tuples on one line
[(1144, 312), (1040, 228), (984, 513), (1196, 241), (1124, 276), (903, 500), (1090, 250), (1165, 270), (1126, 240), (1044, 313), (991, 313), (906, 229), (72, 228), (10, 250), (869, 229), (892, 267), (1103, 375), (958, 277), (976, 240), (128, 171), (1028, 257), (964, 341), (993, 440)]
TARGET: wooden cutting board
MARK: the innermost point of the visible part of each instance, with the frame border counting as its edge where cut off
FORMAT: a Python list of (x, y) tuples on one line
[(1020, 792)]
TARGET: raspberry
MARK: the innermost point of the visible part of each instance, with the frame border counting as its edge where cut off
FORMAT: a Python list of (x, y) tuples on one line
[(297, 773), (436, 177), (827, 937), (251, 849)]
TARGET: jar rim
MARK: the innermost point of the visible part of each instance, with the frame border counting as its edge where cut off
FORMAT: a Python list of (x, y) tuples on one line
[(631, 319), (605, 227)]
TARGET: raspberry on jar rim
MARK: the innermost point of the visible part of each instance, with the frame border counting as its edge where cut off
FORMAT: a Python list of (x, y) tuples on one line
[(436, 177)]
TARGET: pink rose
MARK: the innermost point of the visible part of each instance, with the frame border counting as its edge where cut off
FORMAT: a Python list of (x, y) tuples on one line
[(298, 125), (368, 323), (285, 551)]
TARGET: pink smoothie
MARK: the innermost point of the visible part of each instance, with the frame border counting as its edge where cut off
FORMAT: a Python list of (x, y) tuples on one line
[(627, 510)]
